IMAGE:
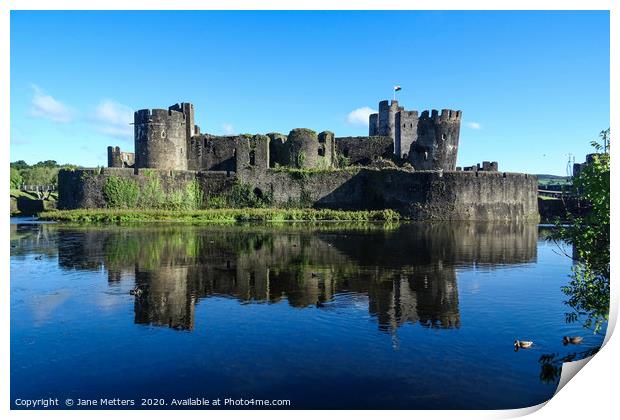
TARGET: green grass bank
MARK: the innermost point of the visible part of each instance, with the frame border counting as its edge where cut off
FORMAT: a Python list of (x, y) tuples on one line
[(216, 215)]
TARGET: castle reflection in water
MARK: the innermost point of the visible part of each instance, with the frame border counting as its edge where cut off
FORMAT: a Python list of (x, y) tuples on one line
[(403, 273)]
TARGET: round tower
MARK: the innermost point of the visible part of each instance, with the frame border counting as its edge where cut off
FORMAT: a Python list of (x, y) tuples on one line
[(302, 148), (160, 139), (437, 141)]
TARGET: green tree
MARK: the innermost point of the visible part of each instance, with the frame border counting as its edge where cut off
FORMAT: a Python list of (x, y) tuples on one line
[(19, 164), (40, 175), (16, 178), (48, 164), (587, 231)]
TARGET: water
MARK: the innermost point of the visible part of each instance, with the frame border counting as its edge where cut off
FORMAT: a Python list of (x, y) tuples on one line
[(326, 316)]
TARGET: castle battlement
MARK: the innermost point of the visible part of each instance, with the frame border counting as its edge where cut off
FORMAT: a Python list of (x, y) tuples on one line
[(446, 115), (158, 116)]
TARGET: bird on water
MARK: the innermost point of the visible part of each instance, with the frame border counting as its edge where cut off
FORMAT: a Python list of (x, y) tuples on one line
[(523, 344), (572, 340)]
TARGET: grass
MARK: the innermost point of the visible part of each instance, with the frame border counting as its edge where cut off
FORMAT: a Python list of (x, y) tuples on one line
[(18, 193), (216, 215), (31, 195)]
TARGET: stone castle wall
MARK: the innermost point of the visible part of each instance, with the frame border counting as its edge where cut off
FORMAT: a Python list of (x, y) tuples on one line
[(421, 195), (364, 150), (83, 188)]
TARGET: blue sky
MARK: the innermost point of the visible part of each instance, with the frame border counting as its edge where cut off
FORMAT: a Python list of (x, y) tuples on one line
[(533, 86)]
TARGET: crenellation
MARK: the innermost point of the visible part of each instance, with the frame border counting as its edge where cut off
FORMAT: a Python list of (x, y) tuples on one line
[(485, 166)]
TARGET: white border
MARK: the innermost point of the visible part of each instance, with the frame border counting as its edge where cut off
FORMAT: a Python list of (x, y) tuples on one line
[(592, 395)]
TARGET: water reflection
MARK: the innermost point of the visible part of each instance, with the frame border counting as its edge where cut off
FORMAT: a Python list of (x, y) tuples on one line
[(406, 273)]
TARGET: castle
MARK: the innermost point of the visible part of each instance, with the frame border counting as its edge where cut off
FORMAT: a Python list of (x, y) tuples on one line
[(407, 163), (170, 139)]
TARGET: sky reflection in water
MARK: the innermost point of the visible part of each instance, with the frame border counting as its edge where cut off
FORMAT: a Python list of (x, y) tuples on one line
[(327, 315)]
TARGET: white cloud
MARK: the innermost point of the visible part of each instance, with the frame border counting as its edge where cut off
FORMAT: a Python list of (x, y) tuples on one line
[(114, 119), (228, 129), (474, 125), (360, 116), (46, 106)]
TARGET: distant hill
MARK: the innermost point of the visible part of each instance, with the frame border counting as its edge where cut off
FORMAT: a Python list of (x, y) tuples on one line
[(554, 177), (547, 181)]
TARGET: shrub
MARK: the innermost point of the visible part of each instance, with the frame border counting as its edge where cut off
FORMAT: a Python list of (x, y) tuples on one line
[(121, 192)]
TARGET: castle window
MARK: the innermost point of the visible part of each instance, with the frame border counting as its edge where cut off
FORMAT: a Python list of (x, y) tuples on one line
[(252, 157), (321, 151)]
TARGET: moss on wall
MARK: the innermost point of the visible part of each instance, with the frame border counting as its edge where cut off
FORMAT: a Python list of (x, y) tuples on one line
[(127, 193)]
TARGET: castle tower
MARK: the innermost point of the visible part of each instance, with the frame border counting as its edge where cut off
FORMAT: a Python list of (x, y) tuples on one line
[(191, 129), (437, 141), (305, 149), (119, 159), (114, 157), (161, 139), (393, 121), (406, 132)]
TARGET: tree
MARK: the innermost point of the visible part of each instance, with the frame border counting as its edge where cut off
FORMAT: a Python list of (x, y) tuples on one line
[(47, 164), (588, 232), (40, 175), (16, 178), (19, 164)]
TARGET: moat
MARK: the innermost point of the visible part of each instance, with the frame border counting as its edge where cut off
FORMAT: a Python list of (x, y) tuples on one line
[(331, 315)]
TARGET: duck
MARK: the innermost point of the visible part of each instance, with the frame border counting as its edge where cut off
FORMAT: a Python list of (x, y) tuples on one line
[(572, 340), (136, 291), (523, 344)]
